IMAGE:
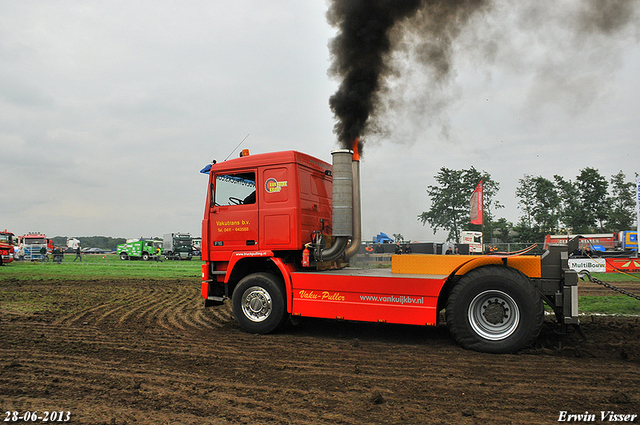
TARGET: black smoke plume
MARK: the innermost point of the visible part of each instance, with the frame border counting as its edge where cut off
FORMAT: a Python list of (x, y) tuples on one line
[(370, 32), (362, 49)]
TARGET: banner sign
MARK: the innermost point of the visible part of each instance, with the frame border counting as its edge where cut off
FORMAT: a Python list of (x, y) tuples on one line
[(598, 265), (629, 265), (476, 205)]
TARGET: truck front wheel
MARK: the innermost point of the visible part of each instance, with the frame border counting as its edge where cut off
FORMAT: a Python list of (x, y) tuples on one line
[(494, 309), (258, 303)]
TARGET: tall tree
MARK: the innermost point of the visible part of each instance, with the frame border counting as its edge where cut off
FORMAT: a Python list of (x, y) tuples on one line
[(450, 200), (571, 215), (540, 203), (593, 189), (525, 192), (622, 203), (545, 206), (448, 203)]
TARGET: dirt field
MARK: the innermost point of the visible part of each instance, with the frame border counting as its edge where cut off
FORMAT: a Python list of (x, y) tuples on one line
[(147, 352)]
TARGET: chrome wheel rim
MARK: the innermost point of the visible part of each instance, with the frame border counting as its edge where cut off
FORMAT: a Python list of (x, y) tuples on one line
[(494, 315), (256, 304)]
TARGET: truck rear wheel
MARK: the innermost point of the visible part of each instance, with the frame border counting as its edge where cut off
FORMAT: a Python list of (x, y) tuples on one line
[(258, 303), (494, 309), (124, 256)]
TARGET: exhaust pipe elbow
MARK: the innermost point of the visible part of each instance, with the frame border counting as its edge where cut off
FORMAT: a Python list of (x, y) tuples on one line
[(335, 251)]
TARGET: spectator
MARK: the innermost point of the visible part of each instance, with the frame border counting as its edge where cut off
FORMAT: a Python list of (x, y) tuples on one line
[(57, 255), (78, 254)]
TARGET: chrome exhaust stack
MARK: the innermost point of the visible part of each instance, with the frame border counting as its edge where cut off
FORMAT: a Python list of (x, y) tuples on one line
[(347, 211), (342, 217)]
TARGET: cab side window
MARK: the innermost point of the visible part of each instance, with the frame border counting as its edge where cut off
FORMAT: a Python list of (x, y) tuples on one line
[(234, 189)]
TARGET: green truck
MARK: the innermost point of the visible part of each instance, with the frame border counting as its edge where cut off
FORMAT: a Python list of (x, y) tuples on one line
[(142, 249)]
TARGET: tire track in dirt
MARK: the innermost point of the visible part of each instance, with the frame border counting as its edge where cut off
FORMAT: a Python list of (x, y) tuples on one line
[(103, 310), (125, 310), (168, 309), (165, 312), (173, 315)]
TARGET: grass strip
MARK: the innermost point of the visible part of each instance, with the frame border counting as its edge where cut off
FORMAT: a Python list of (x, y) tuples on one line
[(100, 267)]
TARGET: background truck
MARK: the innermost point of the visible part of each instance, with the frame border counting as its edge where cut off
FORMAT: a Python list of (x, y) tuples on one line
[(382, 238), (73, 243), (141, 249), (628, 240), (613, 244), (6, 247), (278, 232), (177, 246), (32, 243), (473, 239)]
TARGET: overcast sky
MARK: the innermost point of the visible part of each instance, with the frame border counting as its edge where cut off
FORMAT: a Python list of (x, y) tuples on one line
[(108, 110)]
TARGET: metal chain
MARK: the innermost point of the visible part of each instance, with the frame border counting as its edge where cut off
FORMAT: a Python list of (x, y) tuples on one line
[(612, 287)]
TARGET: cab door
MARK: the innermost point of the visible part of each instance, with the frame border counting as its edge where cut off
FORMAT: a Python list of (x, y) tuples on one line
[(233, 212)]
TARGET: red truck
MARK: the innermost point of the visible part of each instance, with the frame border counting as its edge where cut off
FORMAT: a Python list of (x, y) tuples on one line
[(6, 247), (609, 244), (279, 230)]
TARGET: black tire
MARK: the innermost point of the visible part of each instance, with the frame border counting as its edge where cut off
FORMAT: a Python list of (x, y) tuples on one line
[(259, 303), (146, 256), (494, 309), (124, 256)]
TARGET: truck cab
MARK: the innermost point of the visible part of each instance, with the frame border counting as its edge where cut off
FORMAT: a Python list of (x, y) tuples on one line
[(263, 206)]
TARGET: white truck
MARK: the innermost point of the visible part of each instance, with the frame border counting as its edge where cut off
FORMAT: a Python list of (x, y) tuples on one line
[(473, 239)]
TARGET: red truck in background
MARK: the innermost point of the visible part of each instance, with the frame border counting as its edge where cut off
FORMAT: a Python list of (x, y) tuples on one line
[(6, 247), (279, 230), (607, 244)]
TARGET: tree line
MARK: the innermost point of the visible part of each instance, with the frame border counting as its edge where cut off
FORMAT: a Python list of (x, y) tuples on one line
[(588, 204)]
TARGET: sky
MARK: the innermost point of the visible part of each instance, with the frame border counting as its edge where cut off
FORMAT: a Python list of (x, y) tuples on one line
[(108, 110)]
